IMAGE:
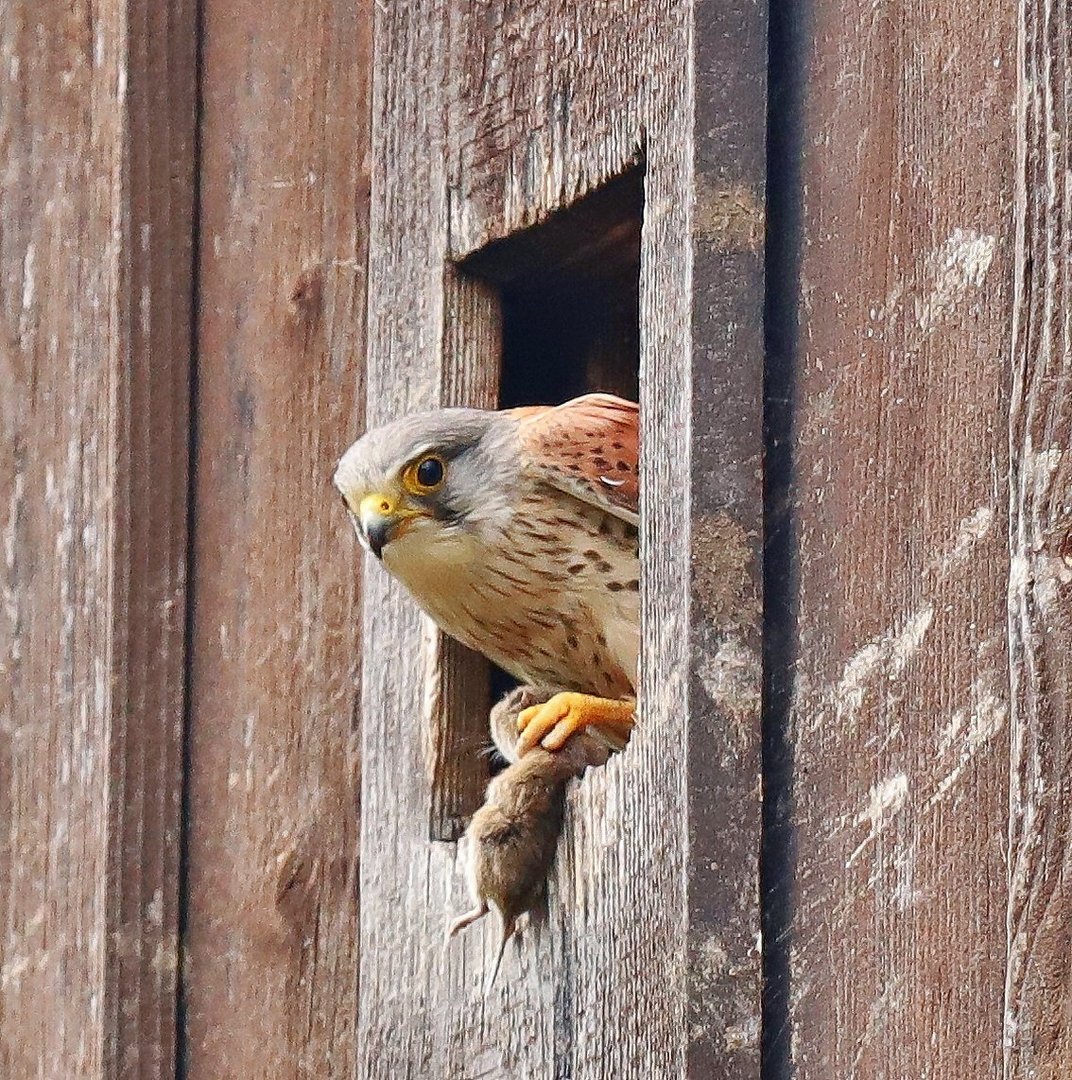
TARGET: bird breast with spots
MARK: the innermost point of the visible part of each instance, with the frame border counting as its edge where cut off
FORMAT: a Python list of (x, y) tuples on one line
[(525, 548), (553, 598)]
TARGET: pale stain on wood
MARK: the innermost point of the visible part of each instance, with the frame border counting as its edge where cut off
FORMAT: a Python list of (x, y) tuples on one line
[(930, 794)]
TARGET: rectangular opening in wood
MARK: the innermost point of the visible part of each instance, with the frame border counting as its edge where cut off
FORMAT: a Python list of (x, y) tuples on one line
[(548, 313)]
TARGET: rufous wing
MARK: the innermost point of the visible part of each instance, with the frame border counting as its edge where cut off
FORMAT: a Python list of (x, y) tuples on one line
[(588, 448)]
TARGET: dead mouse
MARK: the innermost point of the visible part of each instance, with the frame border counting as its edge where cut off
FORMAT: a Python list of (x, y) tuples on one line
[(513, 837)]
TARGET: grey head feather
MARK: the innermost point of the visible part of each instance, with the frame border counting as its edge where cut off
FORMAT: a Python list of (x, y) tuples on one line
[(478, 445)]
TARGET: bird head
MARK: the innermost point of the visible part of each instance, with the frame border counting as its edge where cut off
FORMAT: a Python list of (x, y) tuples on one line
[(423, 490)]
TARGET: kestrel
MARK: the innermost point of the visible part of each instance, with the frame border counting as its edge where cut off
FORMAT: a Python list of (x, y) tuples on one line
[(516, 531)]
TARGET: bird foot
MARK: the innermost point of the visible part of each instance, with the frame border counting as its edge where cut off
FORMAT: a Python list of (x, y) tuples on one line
[(553, 723)]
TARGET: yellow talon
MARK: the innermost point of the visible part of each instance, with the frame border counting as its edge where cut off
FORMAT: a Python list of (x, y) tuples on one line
[(553, 723)]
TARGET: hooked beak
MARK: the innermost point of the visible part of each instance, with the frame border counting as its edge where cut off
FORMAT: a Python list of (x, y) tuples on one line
[(382, 519)]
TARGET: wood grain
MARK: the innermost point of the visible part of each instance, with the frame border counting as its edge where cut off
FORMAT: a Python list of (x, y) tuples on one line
[(458, 681), (726, 538), (925, 579), (900, 693), (488, 118), (96, 205), (1038, 982), (271, 927)]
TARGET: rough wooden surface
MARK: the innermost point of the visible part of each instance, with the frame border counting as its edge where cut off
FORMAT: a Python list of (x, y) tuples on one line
[(901, 704), (927, 564), (487, 118), (271, 922), (726, 537), (96, 122), (1038, 980), (458, 682)]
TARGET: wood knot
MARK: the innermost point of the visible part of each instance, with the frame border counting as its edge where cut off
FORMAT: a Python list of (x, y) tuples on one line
[(306, 877), (1064, 548), (296, 882), (306, 292)]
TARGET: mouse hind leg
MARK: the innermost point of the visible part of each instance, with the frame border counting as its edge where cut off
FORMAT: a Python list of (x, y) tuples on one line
[(470, 917)]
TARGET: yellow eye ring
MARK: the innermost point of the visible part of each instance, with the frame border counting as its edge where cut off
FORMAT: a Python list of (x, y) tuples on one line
[(425, 475)]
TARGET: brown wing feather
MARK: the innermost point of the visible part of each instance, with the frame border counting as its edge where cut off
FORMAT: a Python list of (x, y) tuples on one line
[(588, 448)]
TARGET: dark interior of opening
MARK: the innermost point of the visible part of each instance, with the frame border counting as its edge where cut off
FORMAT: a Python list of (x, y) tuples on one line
[(788, 45), (570, 303)]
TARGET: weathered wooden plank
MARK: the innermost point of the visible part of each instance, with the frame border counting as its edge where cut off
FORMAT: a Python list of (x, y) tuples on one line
[(271, 927), (458, 682), (726, 530), (97, 122), (900, 692), (1038, 987), (539, 104)]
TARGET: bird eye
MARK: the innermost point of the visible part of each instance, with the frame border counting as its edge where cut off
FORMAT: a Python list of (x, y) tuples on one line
[(430, 472), (427, 475)]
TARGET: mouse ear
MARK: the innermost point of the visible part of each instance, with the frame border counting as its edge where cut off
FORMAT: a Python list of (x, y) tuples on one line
[(508, 928)]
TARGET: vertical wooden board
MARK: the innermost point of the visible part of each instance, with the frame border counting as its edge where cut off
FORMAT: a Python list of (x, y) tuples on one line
[(152, 394), (58, 531), (271, 924), (1038, 1024), (900, 691), (458, 688), (541, 102), (95, 257), (545, 103), (726, 538), (410, 1020)]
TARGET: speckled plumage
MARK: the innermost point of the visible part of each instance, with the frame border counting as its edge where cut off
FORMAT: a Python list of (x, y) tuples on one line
[(528, 552)]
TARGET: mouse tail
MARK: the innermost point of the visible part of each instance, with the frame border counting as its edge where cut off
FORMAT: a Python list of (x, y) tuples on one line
[(508, 928)]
